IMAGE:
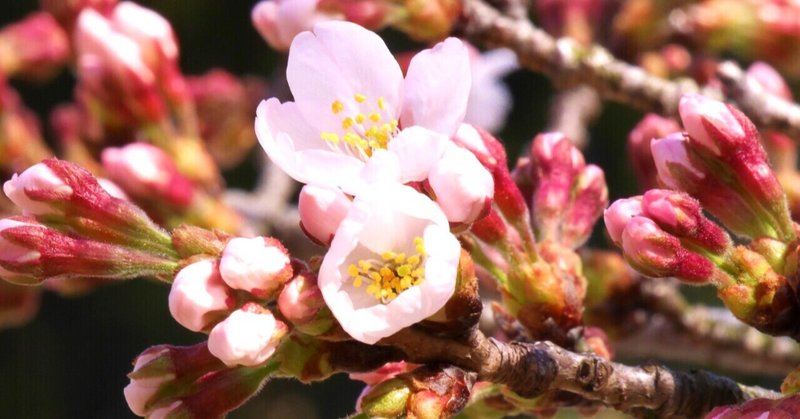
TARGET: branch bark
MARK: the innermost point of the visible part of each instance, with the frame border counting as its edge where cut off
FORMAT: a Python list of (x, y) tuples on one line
[(569, 64), (533, 369)]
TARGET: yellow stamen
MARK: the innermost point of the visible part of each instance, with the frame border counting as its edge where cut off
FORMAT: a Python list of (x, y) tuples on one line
[(330, 137), (374, 117), (390, 276), (347, 123), (337, 106), (359, 98), (381, 103), (360, 118)]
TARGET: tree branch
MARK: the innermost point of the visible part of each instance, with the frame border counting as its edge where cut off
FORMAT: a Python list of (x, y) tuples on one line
[(569, 64), (533, 369)]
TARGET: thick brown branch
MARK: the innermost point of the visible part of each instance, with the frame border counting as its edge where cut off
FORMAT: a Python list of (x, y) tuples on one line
[(569, 64), (533, 369)]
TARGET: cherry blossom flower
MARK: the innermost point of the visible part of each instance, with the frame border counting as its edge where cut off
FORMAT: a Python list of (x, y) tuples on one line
[(392, 262), (354, 115)]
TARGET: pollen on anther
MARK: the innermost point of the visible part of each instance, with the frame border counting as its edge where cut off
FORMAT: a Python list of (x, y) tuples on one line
[(360, 118), (374, 117), (381, 103), (359, 98), (337, 106), (347, 123)]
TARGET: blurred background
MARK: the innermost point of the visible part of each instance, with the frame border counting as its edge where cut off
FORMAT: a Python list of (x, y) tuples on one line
[(71, 361)]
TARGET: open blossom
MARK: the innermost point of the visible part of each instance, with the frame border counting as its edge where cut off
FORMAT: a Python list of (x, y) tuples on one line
[(353, 106), (392, 263), (248, 336)]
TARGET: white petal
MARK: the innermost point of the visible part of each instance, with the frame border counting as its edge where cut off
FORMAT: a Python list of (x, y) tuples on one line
[(336, 62), (418, 150), (436, 88)]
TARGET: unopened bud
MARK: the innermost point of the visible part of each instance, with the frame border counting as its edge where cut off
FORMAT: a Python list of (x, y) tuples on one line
[(199, 298), (63, 192), (568, 196), (35, 47), (491, 229), (386, 372), (429, 21), (463, 187), (32, 253), (149, 30), (619, 214), (322, 209), (488, 149), (258, 265), (651, 127), (769, 79), (656, 253), (279, 21), (147, 172), (248, 336), (301, 303), (680, 215)]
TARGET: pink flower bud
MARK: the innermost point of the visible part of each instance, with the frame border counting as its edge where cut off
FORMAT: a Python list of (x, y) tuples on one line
[(491, 228), (278, 21), (35, 189), (386, 372), (35, 47), (140, 391), (62, 191), (321, 210), (619, 214), (463, 187), (147, 172), (651, 127), (301, 303), (653, 252), (112, 189), (199, 297), (711, 123), (680, 215), (33, 253), (148, 29), (673, 164), (591, 197), (248, 336), (769, 79), (160, 369), (259, 265), (488, 149)]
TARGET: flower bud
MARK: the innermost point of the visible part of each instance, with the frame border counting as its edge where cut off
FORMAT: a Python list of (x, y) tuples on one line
[(386, 372), (37, 180), (651, 127), (224, 104), (35, 47), (425, 392), (679, 214), (301, 303), (491, 229), (322, 209), (488, 149), (113, 72), (769, 79), (147, 172), (279, 21), (248, 336), (591, 197), (618, 215), (427, 21), (66, 12), (63, 192), (199, 297), (721, 189), (654, 252), (259, 265), (31, 253), (149, 30), (463, 187)]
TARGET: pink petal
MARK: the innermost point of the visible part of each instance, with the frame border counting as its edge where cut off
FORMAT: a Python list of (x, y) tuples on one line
[(336, 62), (436, 88), (418, 150)]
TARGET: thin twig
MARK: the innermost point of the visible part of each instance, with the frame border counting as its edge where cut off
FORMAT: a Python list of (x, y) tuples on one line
[(569, 64)]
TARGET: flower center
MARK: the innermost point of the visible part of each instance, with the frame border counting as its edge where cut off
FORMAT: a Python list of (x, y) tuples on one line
[(390, 276), (368, 129)]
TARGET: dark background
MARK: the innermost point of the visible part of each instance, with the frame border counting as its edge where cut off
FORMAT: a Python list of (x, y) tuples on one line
[(72, 360)]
